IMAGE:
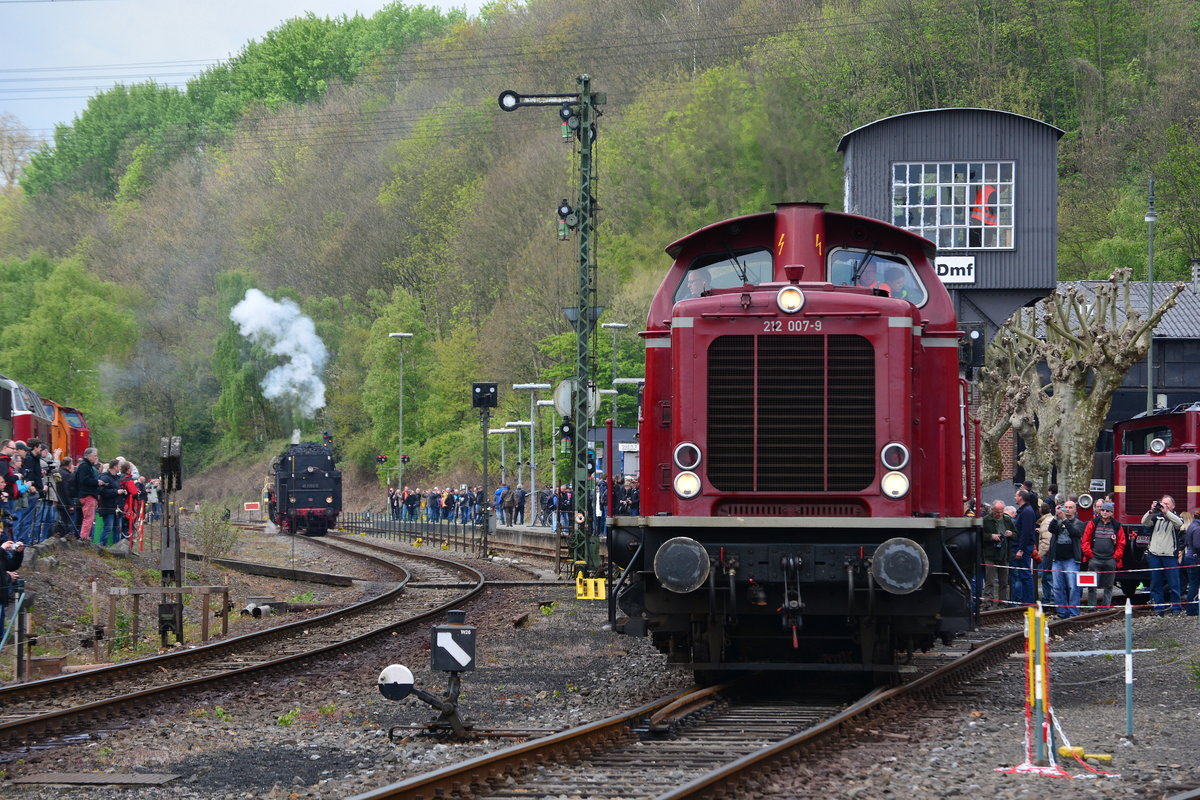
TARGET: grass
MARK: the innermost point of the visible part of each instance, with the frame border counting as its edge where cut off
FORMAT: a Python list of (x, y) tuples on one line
[(288, 718)]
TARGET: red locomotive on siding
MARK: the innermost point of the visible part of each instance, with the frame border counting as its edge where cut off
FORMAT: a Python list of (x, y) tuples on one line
[(23, 413), (1153, 454), (802, 451)]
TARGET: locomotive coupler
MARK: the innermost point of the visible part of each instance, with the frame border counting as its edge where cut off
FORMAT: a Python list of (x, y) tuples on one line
[(857, 565), (792, 604)]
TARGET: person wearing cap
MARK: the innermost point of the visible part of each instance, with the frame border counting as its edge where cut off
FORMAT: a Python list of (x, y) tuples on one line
[(1104, 549), (1191, 566)]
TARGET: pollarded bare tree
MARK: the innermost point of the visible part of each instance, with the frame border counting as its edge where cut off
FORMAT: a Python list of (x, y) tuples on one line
[(1051, 373)]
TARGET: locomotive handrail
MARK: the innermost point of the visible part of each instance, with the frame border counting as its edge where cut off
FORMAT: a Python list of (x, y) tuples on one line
[(909, 523)]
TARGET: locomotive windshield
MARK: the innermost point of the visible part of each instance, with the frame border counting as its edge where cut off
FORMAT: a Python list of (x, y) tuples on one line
[(1137, 442), (891, 273), (727, 270)]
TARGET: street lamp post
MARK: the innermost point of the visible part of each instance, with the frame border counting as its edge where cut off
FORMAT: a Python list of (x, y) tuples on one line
[(520, 425), (400, 337), (614, 327), (533, 389), (624, 382), (1151, 218), (553, 458), (503, 474)]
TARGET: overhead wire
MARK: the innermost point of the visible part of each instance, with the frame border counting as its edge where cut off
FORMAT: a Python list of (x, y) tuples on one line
[(501, 57)]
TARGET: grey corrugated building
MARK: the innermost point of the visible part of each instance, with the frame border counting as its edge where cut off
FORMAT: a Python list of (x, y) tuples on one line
[(982, 184)]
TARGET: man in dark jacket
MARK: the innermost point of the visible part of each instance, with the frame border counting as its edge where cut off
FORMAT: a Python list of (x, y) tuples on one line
[(998, 533), (87, 489), (31, 474), (1026, 543), (11, 555), (1191, 566), (1066, 553), (111, 497)]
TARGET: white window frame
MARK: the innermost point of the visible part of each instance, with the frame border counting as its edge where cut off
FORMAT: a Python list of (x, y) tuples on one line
[(959, 205)]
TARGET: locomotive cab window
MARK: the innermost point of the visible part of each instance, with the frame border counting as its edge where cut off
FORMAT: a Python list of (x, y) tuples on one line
[(726, 271), (893, 274), (1137, 442)]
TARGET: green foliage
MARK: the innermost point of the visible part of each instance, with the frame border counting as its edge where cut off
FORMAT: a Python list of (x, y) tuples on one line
[(222, 714), (288, 718), (293, 63), (64, 322)]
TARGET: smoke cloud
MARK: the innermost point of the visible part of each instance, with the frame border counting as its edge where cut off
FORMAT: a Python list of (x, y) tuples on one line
[(283, 330)]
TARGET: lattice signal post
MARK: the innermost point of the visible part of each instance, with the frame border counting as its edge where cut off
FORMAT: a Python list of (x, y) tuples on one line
[(578, 113)]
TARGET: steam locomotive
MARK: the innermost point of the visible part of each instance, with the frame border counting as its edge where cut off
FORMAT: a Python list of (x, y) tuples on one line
[(304, 489), (803, 454)]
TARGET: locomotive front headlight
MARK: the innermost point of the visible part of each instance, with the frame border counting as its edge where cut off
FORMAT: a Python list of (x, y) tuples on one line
[(790, 299), (328, 499), (894, 485), (1158, 446), (687, 456), (894, 456), (687, 485)]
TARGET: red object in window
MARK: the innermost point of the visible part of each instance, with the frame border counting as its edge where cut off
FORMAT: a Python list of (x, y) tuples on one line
[(982, 209)]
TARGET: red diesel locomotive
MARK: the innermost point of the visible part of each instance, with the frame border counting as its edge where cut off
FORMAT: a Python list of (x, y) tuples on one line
[(803, 465), (1153, 454)]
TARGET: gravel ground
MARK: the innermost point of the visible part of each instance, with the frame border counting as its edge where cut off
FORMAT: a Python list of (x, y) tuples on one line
[(545, 662)]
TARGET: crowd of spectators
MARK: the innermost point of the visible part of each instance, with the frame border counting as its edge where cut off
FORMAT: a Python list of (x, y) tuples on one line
[(1034, 549), (549, 507), (43, 495)]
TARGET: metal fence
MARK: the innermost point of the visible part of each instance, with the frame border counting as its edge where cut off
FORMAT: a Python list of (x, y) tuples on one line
[(470, 537)]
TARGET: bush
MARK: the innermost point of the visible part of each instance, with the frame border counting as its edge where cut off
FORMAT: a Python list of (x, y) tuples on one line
[(212, 536)]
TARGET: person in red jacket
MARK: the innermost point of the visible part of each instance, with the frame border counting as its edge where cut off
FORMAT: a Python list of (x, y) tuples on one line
[(132, 494), (1104, 549)]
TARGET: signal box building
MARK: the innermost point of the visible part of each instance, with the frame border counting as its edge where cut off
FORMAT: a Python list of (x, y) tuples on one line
[(981, 184)]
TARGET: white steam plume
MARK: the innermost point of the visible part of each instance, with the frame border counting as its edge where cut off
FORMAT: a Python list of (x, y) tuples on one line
[(283, 330)]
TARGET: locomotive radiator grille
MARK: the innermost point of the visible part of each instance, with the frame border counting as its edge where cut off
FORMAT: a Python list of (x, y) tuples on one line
[(791, 413), (1145, 483)]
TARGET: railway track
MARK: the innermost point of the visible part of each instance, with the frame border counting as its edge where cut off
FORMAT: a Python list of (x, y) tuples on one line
[(716, 742), (425, 587)]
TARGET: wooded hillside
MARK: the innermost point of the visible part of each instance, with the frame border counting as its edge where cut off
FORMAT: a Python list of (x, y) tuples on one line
[(363, 168)]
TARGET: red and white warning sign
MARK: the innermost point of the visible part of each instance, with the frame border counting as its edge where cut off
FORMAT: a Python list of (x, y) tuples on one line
[(1086, 579), (253, 506)]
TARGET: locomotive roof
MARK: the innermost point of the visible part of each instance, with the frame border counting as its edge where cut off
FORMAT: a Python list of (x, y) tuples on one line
[(675, 247)]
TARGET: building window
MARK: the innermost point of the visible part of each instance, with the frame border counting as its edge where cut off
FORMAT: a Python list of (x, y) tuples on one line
[(960, 206)]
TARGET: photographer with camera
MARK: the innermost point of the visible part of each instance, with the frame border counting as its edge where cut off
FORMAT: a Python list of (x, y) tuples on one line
[(998, 532), (1165, 554)]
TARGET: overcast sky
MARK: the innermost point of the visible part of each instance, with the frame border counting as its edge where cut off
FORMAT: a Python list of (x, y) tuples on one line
[(55, 54)]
